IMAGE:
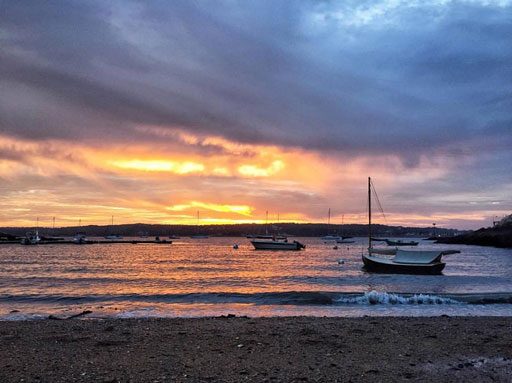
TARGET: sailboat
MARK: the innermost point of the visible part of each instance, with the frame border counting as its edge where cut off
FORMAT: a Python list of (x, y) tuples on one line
[(344, 239), (80, 238), (402, 261), (198, 236), (274, 241), (32, 237), (113, 236), (330, 237)]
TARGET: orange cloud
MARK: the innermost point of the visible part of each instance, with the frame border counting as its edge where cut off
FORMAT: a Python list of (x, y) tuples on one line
[(237, 209), (257, 171), (185, 167)]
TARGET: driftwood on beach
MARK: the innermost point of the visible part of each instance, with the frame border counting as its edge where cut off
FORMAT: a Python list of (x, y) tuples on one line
[(85, 312)]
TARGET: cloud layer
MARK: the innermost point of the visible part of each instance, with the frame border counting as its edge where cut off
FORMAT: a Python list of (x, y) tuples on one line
[(416, 93)]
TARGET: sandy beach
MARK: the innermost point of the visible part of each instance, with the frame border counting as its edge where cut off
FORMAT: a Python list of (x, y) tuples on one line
[(301, 349)]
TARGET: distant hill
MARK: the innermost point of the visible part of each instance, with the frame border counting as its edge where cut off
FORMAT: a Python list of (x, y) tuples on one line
[(237, 230), (497, 236)]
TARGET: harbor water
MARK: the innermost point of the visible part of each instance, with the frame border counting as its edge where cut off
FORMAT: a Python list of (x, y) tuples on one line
[(208, 277)]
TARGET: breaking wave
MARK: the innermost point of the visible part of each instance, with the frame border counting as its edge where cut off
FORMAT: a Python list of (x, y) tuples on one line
[(375, 297)]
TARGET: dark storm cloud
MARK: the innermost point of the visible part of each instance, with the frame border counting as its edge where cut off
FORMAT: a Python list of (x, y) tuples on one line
[(408, 80)]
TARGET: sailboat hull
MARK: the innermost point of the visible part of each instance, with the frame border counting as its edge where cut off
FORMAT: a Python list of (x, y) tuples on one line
[(387, 266)]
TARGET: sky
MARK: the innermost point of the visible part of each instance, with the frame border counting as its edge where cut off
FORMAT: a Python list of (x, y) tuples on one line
[(154, 111)]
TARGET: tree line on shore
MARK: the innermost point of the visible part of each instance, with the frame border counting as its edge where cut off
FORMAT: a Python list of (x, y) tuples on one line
[(236, 230)]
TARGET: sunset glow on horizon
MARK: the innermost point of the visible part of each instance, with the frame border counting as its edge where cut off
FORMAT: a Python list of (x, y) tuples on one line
[(159, 111)]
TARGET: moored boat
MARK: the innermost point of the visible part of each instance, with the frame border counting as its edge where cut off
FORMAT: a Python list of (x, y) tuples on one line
[(80, 239), (400, 243), (256, 236), (113, 236), (331, 237), (345, 240), (275, 244), (406, 262), (397, 261), (31, 238)]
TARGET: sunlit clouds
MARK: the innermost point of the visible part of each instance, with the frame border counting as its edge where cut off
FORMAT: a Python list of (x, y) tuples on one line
[(243, 210), (256, 171), (160, 166), (154, 111)]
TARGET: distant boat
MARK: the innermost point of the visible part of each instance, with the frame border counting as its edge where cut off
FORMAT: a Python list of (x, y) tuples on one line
[(255, 236), (330, 237), (199, 236), (173, 237), (113, 236), (275, 244), (403, 261), (80, 239), (401, 243), (345, 240), (31, 238)]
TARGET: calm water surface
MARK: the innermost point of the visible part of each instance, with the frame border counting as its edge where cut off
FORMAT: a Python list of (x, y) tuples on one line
[(206, 277)]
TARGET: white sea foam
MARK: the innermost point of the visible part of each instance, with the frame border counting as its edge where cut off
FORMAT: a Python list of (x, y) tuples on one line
[(376, 297)]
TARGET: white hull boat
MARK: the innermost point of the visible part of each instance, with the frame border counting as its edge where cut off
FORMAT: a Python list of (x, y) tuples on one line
[(277, 245)]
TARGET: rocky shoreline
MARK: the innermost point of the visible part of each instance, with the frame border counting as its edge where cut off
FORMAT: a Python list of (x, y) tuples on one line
[(497, 237), (227, 349)]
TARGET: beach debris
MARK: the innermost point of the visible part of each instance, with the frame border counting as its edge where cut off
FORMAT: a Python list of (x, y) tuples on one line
[(85, 312), (240, 345)]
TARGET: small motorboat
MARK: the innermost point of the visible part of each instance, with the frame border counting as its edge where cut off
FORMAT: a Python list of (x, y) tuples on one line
[(113, 236), (265, 236), (80, 239), (401, 243), (277, 244), (31, 238)]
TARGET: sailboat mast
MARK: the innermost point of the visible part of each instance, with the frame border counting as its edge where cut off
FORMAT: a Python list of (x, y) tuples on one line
[(329, 217), (369, 214), (266, 222)]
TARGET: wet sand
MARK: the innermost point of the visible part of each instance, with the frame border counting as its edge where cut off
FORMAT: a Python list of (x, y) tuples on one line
[(302, 349)]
